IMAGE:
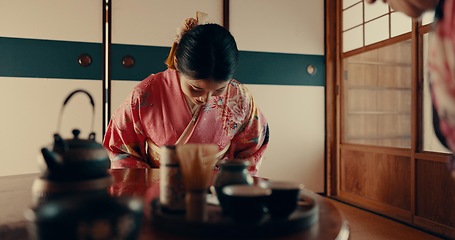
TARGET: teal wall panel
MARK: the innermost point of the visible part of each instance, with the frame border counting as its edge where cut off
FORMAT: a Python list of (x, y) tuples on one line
[(147, 60), (36, 58), (59, 59), (280, 69)]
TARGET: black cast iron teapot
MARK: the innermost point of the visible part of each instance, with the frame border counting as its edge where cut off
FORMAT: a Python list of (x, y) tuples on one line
[(71, 198), (74, 159)]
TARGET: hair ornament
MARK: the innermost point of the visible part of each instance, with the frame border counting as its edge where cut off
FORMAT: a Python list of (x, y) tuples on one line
[(188, 24)]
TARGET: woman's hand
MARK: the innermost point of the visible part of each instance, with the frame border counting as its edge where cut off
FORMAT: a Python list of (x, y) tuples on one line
[(412, 8)]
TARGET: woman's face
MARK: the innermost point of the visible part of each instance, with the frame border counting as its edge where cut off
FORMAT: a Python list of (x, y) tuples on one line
[(199, 90)]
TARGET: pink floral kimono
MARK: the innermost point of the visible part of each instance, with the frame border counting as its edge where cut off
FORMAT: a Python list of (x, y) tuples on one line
[(442, 74), (156, 114)]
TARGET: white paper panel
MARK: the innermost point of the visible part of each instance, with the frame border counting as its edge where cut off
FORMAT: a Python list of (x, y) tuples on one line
[(375, 10), (377, 30), (288, 26), (352, 17), (348, 3), (400, 23), (154, 22), (120, 91), (427, 17), (353, 39), (52, 19), (296, 148), (30, 120)]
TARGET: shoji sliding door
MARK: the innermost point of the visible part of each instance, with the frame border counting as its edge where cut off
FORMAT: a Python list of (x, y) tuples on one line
[(41, 45)]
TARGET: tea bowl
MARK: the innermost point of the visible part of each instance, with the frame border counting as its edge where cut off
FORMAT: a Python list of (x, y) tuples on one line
[(247, 203), (283, 199)]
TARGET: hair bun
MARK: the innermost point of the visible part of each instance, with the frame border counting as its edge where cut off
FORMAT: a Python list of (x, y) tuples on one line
[(188, 24)]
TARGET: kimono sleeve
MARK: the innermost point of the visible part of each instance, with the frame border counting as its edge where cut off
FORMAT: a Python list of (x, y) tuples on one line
[(251, 141), (442, 77), (124, 139)]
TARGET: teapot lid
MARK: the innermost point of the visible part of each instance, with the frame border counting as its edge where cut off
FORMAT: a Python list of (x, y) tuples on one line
[(86, 147)]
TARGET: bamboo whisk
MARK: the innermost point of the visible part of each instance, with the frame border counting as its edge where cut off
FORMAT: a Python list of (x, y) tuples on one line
[(197, 162)]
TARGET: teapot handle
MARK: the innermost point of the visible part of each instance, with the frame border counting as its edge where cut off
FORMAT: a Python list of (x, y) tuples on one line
[(67, 100)]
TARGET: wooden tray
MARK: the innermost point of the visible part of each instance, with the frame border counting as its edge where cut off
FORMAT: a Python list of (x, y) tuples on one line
[(222, 226)]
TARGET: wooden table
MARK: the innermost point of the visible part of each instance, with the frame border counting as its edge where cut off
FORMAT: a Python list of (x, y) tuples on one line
[(15, 197)]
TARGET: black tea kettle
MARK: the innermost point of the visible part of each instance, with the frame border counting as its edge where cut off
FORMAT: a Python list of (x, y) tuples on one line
[(71, 198), (77, 158), (72, 165)]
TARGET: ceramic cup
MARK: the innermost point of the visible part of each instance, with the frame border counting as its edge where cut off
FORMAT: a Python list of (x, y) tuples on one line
[(247, 202), (283, 199)]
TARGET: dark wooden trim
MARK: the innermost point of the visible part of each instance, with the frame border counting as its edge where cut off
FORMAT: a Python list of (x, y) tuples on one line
[(106, 76), (332, 48), (432, 156), (425, 29), (416, 104), (418, 76), (405, 152), (433, 227), (226, 14), (103, 80)]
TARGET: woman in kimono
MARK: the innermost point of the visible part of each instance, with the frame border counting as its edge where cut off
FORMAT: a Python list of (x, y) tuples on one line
[(196, 100), (441, 63)]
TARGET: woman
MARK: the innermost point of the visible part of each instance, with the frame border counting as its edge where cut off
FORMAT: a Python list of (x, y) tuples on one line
[(196, 100)]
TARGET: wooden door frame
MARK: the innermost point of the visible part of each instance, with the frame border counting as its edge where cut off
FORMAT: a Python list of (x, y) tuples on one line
[(332, 25), (420, 159)]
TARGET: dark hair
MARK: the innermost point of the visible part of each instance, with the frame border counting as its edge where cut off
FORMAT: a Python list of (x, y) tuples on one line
[(207, 51)]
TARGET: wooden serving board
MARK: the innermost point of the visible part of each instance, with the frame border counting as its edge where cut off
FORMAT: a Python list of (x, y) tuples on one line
[(219, 225)]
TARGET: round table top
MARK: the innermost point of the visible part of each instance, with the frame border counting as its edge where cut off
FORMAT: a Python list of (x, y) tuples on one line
[(144, 184)]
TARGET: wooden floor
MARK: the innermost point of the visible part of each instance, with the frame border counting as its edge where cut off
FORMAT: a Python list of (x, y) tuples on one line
[(365, 225)]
